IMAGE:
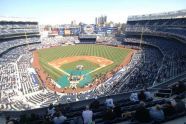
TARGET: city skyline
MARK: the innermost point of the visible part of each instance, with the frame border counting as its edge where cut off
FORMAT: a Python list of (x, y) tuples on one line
[(65, 11)]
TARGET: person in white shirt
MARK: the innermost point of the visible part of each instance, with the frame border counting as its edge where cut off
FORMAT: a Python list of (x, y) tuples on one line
[(134, 97), (87, 115), (51, 110), (109, 102)]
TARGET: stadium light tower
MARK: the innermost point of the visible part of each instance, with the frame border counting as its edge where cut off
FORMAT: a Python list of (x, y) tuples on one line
[(26, 39), (141, 40)]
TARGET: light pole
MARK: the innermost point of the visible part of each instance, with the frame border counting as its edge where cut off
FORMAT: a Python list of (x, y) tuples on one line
[(26, 40), (141, 40)]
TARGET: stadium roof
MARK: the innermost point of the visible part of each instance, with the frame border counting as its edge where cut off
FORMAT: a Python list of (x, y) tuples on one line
[(165, 15), (17, 19)]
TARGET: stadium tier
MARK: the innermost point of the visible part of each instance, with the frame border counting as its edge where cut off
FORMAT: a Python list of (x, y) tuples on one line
[(167, 33), (19, 28), (172, 24), (118, 81)]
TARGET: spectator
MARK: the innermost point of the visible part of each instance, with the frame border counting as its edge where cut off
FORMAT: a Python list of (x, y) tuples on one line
[(59, 107), (134, 97), (87, 115), (109, 115), (76, 120), (11, 121), (8, 120), (157, 114), (142, 114), (33, 118), (148, 95), (142, 96), (117, 111), (168, 109), (59, 118), (179, 88), (66, 108), (50, 110), (95, 104), (180, 106), (109, 102)]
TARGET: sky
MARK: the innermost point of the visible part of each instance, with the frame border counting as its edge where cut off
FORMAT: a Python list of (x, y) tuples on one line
[(64, 11)]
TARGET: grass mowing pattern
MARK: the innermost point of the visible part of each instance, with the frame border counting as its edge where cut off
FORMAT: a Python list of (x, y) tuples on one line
[(54, 73), (87, 65), (115, 54)]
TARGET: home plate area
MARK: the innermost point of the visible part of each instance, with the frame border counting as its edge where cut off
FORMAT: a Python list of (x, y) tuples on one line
[(77, 70)]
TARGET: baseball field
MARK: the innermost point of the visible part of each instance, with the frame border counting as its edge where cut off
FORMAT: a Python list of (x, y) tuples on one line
[(82, 63)]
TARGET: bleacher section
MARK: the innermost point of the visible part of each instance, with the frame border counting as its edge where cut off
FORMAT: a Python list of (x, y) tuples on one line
[(17, 38), (17, 28), (164, 33), (73, 111), (168, 24)]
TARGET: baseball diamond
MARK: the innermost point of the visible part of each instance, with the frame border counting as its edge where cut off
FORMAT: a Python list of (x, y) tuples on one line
[(60, 64)]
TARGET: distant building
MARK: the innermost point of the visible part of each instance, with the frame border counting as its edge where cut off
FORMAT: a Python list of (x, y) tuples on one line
[(96, 21), (73, 23), (101, 20)]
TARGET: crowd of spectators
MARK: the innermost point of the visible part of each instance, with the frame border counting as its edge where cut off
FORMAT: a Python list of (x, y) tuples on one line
[(105, 40), (7, 44), (154, 111), (57, 41), (142, 71), (167, 27), (174, 61), (17, 28)]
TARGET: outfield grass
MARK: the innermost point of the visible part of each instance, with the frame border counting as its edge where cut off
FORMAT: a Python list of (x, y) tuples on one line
[(113, 53)]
